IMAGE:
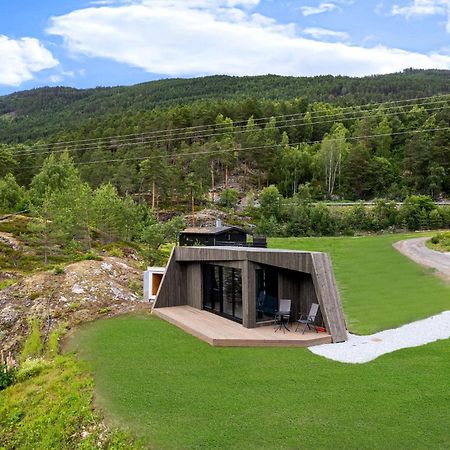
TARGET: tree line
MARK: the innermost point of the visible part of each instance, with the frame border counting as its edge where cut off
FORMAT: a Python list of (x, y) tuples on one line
[(389, 151), (299, 216), (46, 112), (67, 213)]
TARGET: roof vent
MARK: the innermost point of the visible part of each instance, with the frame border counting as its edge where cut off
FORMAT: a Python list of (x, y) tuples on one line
[(218, 223)]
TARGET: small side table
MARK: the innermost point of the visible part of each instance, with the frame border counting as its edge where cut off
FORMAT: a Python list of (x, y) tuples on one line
[(282, 322)]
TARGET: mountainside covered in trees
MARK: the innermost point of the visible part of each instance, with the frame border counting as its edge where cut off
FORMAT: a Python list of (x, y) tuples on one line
[(189, 153), (44, 112)]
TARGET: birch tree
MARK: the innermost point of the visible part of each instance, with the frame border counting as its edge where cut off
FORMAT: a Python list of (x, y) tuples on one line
[(333, 151)]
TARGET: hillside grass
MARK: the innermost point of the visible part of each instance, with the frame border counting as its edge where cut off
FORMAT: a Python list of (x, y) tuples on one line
[(176, 392), (440, 242), (51, 408), (380, 288)]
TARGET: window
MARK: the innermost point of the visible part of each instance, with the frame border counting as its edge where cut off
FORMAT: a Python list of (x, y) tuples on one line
[(222, 291), (266, 294)]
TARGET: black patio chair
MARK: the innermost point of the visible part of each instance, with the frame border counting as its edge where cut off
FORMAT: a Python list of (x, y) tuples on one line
[(308, 320)]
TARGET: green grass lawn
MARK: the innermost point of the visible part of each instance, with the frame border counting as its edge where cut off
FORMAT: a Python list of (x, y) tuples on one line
[(380, 288), (176, 392)]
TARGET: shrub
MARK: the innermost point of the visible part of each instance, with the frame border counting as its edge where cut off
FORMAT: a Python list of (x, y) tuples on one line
[(7, 376), (116, 252), (298, 221), (415, 212), (270, 200), (91, 256), (384, 215), (58, 270), (13, 198), (30, 368), (358, 218), (229, 198), (268, 227), (322, 222)]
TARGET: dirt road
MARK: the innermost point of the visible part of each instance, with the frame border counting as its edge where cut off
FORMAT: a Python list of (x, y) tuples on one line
[(416, 250)]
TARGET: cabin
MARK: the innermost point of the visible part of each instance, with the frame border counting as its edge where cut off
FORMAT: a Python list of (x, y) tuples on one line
[(211, 236), (244, 285)]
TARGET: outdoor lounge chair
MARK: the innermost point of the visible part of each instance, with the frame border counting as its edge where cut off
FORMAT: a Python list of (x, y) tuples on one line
[(308, 319), (283, 315)]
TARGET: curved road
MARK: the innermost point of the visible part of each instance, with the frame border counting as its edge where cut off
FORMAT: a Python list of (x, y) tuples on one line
[(416, 250)]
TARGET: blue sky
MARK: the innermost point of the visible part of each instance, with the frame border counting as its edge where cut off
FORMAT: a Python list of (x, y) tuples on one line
[(84, 43)]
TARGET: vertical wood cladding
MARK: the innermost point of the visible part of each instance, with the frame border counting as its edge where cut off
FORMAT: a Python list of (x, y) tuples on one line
[(304, 277)]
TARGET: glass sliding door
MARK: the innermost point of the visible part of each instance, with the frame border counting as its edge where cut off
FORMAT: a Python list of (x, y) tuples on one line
[(222, 291), (266, 294)]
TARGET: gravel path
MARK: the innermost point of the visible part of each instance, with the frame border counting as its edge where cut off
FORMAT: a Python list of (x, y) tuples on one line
[(416, 250), (362, 349)]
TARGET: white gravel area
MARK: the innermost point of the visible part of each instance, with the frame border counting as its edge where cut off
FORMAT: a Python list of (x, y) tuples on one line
[(362, 349)]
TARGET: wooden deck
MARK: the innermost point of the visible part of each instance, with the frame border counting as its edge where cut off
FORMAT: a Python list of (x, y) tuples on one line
[(221, 332)]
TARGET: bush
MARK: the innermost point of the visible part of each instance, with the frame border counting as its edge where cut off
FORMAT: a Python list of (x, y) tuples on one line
[(268, 227), (58, 270), (7, 376), (30, 368), (358, 218), (13, 198), (415, 212), (298, 220), (322, 221), (384, 215), (270, 200), (229, 198)]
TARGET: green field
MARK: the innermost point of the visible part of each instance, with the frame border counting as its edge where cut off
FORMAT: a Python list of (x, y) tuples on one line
[(380, 288), (176, 392)]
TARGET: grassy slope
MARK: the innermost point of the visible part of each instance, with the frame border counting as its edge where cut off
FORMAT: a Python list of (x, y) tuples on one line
[(177, 392), (380, 288), (52, 409)]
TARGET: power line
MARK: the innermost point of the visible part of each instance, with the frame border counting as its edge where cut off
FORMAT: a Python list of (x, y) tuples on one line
[(209, 152), (156, 133), (133, 142)]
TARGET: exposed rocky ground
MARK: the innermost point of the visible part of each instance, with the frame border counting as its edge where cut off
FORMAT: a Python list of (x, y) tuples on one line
[(84, 291)]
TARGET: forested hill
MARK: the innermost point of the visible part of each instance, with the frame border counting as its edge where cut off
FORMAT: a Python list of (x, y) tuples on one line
[(44, 112)]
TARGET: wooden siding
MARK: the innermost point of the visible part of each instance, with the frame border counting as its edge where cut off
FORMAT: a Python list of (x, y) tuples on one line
[(304, 277), (194, 285), (298, 287), (173, 285), (328, 296)]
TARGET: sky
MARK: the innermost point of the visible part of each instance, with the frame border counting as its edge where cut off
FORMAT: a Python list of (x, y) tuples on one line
[(85, 43)]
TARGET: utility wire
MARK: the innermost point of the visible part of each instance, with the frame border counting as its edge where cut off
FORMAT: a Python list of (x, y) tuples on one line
[(213, 152), (134, 142), (217, 127)]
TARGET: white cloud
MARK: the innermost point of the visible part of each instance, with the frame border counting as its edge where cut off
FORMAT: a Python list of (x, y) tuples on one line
[(424, 8), (21, 58), (322, 8), (59, 77), (323, 33), (55, 78), (194, 38)]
